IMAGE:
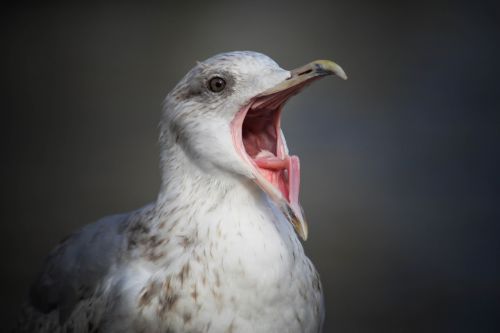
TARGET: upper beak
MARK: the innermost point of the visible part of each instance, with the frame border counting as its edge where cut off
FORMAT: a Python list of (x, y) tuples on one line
[(275, 96), (306, 74)]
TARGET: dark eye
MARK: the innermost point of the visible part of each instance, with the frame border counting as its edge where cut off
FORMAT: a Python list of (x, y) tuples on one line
[(216, 84)]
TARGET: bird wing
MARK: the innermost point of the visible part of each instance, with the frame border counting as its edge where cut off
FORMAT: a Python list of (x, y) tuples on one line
[(75, 270)]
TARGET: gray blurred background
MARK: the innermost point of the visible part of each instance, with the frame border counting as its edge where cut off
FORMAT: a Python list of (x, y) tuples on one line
[(400, 163)]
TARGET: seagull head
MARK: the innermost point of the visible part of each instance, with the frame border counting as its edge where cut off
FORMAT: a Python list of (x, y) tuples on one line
[(225, 115)]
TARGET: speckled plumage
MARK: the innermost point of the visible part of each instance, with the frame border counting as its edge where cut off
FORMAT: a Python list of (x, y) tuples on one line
[(212, 254)]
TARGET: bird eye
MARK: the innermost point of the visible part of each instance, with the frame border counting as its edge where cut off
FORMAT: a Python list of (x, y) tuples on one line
[(216, 84)]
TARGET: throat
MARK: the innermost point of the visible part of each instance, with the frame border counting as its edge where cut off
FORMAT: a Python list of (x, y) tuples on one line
[(196, 213), (259, 132), (185, 184)]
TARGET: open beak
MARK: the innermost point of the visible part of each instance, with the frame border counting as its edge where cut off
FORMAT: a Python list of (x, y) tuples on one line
[(259, 140)]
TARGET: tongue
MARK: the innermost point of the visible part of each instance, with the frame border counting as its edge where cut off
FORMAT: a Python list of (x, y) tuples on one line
[(271, 163), (288, 182), (294, 182)]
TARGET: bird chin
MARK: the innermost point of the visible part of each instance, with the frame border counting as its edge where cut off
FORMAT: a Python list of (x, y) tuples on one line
[(259, 141)]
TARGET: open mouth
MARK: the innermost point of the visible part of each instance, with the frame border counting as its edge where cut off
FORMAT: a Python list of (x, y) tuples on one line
[(263, 144), (259, 140)]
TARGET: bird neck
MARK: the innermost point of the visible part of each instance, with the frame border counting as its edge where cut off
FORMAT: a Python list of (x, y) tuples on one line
[(195, 210), (187, 185)]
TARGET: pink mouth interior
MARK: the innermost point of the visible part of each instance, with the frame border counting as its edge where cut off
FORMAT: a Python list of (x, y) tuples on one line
[(257, 135)]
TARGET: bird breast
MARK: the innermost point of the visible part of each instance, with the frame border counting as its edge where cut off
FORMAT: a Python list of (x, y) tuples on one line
[(235, 266)]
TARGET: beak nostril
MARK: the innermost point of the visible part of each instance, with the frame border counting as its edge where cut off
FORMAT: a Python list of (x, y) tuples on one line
[(304, 72)]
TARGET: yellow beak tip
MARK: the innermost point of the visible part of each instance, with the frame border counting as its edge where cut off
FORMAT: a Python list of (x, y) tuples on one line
[(331, 68)]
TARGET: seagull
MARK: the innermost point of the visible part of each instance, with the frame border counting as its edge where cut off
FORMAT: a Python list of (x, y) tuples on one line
[(218, 251)]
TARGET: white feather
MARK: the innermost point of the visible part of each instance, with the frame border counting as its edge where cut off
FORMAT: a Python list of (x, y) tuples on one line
[(212, 254)]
